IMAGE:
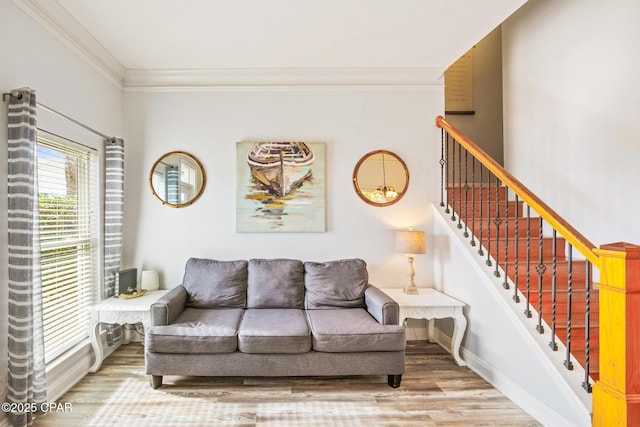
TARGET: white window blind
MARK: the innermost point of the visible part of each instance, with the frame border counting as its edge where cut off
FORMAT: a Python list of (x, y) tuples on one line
[(68, 202)]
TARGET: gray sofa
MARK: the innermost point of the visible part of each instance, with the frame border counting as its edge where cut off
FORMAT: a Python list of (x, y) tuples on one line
[(275, 317)]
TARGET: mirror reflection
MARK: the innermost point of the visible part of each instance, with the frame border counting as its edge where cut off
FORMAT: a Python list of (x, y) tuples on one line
[(380, 178), (177, 179)]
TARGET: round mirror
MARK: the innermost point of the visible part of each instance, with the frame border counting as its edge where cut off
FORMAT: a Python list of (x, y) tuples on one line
[(380, 178), (177, 179)]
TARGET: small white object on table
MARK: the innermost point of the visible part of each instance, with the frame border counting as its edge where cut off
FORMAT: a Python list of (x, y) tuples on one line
[(430, 304), (119, 311)]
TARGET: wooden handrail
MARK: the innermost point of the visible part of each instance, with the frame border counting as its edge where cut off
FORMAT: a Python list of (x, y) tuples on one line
[(577, 240)]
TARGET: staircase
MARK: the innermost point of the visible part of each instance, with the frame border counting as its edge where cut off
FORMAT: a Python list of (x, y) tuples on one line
[(502, 232)]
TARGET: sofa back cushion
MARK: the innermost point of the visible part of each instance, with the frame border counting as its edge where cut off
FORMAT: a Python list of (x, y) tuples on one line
[(275, 283), (335, 284), (211, 284)]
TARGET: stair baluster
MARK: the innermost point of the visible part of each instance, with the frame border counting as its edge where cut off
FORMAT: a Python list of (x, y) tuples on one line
[(505, 284), (480, 252), (540, 269), (453, 171), (466, 191), (460, 186), (442, 161), (488, 262), (497, 221), (527, 310), (516, 297), (587, 331), (567, 363), (473, 201), (553, 344)]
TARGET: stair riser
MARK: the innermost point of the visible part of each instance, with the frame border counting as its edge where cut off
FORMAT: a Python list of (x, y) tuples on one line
[(578, 317), (534, 248), (578, 298), (475, 191), (547, 285), (481, 210), (506, 228), (577, 312), (577, 320), (578, 273), (577, 338)]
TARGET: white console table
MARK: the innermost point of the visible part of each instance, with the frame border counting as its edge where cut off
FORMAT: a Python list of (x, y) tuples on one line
[(430, 304), (119, 311)]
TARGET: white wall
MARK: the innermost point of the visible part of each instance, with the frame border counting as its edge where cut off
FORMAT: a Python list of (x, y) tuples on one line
[(571, 109), (207, 124), (32, 57), (485, 126)]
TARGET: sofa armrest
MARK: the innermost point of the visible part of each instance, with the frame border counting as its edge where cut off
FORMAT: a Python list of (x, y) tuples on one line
[(165, 310), (381, 306)]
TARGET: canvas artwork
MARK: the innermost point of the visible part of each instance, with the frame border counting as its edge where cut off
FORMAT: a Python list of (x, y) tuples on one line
[(280, 187)]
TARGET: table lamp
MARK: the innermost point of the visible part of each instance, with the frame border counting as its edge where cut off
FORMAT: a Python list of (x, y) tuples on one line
[(410, 242), (150, 280)]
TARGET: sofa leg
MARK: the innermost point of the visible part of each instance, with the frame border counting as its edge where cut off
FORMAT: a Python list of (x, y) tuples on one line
[(394, 380), (156, 381)]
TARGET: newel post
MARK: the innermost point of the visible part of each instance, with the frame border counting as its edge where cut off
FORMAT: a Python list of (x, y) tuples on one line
[(616, 396)]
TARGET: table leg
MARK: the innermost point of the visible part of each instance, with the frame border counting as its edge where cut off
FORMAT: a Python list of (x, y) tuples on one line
[(96, 344), (431, 330), (459, 327)]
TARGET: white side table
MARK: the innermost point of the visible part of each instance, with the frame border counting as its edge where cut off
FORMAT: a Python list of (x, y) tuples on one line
[(119, 311), (430, 304)]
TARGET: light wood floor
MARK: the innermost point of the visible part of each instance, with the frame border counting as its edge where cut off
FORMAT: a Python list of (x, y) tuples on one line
[(434, 392)]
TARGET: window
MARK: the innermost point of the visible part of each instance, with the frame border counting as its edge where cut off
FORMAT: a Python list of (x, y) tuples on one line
[(187, 174), (68, 202), (187, 181), (157, 181)]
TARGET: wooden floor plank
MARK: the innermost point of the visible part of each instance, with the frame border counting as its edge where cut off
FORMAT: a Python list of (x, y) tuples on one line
[(434, 392)]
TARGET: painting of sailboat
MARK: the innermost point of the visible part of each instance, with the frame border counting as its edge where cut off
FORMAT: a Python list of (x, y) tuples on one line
[(281, 166), (280, 187)]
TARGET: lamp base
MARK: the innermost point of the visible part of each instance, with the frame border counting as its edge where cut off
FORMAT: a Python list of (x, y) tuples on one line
[(411, 289)]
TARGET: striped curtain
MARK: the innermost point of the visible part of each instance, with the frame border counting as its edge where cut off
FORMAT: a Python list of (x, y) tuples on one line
[(173, 180), (113, 217), (26, 368), (113, 212)]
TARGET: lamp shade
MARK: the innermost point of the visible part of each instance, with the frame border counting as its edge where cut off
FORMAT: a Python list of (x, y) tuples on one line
[(410, 242)]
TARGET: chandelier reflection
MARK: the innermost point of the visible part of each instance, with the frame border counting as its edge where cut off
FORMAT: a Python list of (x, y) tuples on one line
[(384, 193)]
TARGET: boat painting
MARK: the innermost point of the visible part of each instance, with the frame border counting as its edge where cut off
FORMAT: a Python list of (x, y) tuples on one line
[(280, 187), (280, 166)]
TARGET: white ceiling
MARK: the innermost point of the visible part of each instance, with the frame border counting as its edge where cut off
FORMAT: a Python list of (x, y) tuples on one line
[(148, 36)]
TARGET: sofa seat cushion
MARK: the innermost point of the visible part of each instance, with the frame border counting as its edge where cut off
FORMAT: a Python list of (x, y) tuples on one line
[(334, 284), (274, 330), (353, 330), (197, 331)]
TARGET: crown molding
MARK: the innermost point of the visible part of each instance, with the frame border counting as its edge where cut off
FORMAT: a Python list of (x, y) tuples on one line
[(55, 19), (140, 80), (62, 25)]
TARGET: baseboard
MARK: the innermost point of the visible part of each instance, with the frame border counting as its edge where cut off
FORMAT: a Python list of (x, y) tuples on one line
[(66, 372), (530, 404)]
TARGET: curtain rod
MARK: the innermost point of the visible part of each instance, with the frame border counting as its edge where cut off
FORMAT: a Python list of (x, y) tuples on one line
[(17, 94)]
